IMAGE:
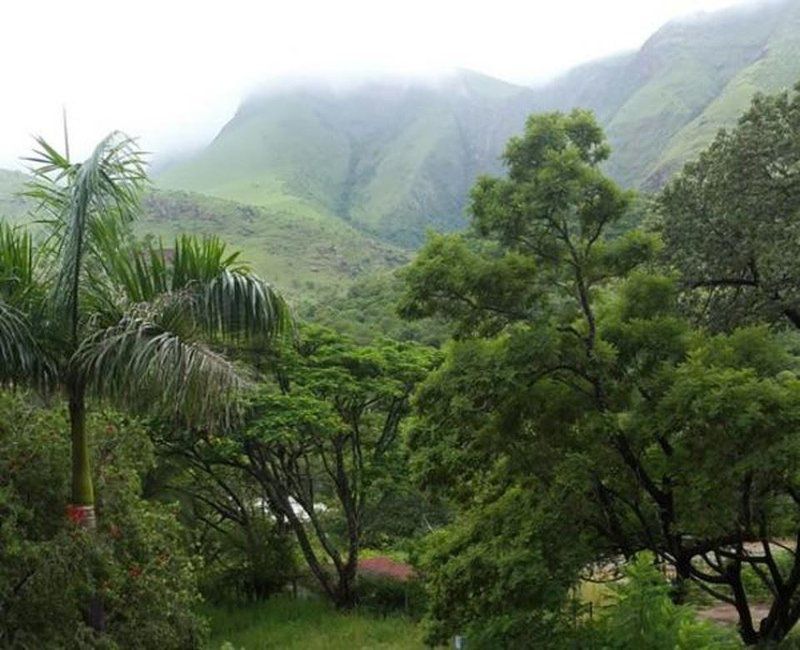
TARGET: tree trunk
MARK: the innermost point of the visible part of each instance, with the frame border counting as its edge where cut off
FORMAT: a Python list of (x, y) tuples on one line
[(345, 595), (81, 509)]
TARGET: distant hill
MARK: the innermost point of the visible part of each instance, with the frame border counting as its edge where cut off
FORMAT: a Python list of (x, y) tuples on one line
[(304, 257), (663, 104), (394, 157), (12, 206), (391, 157)]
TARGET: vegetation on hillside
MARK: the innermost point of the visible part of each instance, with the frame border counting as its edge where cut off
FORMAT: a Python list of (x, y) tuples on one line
[(391, 158), (310, 258)]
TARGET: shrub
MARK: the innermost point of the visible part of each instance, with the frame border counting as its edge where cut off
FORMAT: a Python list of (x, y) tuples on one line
[(135, 563), (644, 616), (385, 596), (249, 563)]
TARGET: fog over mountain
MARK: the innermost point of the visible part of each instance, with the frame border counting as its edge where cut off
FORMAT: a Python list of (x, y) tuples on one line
[(395, 155), (349, 169), (174, 73)]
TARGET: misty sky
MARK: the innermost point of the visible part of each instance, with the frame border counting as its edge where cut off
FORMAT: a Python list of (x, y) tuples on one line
[(173, 72)]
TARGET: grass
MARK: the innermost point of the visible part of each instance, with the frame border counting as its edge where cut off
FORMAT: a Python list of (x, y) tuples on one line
[(288, 624)]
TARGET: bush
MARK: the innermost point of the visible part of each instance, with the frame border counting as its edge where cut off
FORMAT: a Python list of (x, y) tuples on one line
[(391, 596), (644, 616), (136, 563), (249, 563), (502, 576)]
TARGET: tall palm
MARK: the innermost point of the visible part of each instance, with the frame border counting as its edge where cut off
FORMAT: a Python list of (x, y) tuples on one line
[(95, 311)]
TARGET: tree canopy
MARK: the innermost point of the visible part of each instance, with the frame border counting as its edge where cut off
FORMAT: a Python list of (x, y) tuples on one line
[(731, 218), (579, 404)]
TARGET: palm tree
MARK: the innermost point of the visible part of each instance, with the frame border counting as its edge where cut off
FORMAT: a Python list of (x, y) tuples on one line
[(94, 311)]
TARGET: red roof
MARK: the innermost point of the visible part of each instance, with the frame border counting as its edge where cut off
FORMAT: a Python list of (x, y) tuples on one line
[(386, 568)]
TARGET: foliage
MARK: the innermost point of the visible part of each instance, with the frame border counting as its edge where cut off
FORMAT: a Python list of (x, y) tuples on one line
[(501, 575), (137, 562), (732, 218), (247, 554), (247, 563), (319, 446), (644, 616), (368, 312), (385, 595), (575, 381)]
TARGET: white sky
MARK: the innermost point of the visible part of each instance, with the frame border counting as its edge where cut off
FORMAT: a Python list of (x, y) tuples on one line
[(173, 71)]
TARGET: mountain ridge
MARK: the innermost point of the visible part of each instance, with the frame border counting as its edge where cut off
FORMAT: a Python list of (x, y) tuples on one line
[(396, 156), (372, 163)]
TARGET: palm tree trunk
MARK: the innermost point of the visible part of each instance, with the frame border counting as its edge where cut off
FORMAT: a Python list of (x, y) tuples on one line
[(81, 510)]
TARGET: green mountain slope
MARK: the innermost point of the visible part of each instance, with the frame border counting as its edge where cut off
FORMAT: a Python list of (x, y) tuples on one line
[(777, 67), (391, 157), (307, 257), (303, 257), (395, 157), (663, 104)]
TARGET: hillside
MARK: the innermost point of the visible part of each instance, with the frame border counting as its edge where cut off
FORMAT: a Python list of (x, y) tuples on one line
[(663, 104), (304, 257), (397, 156), (12, 206), (301, 256), (392, 157)]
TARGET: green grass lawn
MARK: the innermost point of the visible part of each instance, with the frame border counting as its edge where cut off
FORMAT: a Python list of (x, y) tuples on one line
[(285, 623)]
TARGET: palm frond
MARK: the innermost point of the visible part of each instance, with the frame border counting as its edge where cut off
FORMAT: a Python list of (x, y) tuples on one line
[(76, 197), (200, 260), (17, 263), (229, 301), (200, 288), (140, 364), (21, 358), (241, 306)]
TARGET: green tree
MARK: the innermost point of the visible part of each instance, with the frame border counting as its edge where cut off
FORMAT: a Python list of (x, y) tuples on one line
[(95, 311), (575, 390), (321, 443), (732, 218)]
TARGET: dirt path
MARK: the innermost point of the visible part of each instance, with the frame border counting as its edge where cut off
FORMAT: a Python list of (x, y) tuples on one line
[(726, 614)]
